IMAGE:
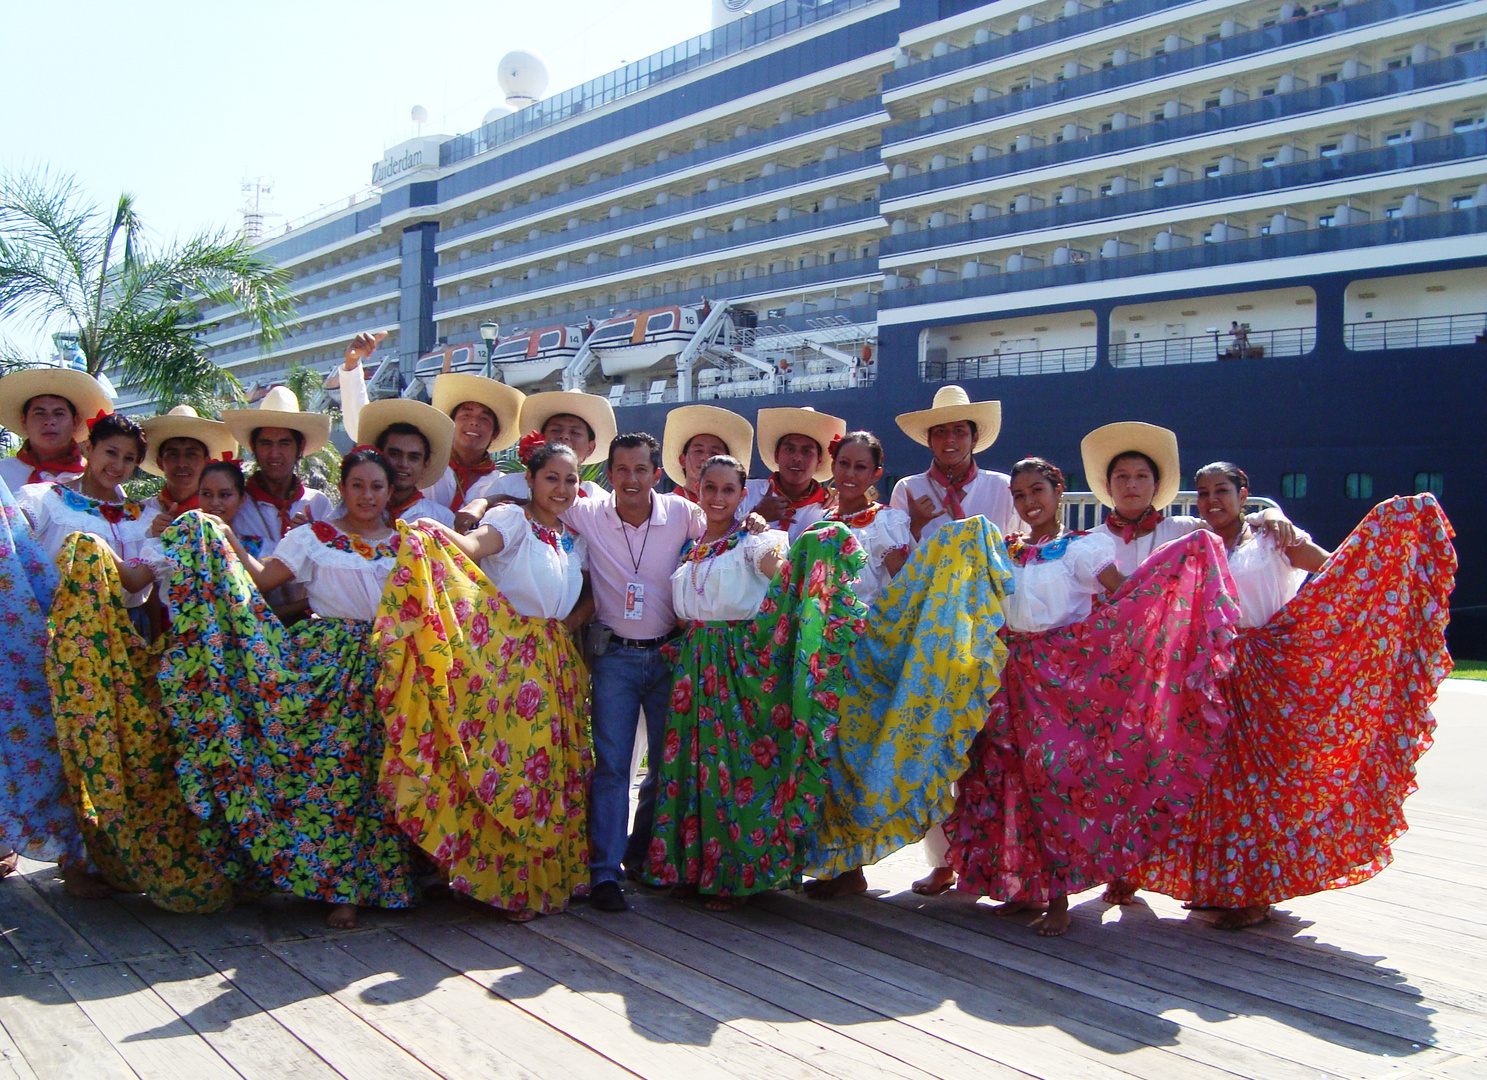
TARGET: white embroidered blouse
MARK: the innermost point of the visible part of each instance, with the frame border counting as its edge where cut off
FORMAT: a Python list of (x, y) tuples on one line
[(881, 535), (343, 574), (57, 511), (539, 570), (728, 586), (1059, 587), (1264, 578)]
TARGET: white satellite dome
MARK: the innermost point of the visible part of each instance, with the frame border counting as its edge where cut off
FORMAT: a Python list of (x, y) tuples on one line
[(419, 114), (495, 114), (523, 78)]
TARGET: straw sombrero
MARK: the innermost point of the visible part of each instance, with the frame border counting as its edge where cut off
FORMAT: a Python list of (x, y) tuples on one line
[(952, 403), (772, 425), (454, 388), (279, 409), (183, 423), (85, 392), (1103, 445), (377, 416), (594, 410), (687, 420)]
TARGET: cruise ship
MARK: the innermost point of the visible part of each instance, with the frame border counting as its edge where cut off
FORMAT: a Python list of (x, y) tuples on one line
[(1260, 223)]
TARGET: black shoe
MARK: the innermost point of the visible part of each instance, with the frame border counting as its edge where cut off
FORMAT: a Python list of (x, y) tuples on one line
[(608, 896)]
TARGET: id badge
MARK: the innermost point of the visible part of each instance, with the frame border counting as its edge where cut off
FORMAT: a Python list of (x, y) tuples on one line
[(634, 601)]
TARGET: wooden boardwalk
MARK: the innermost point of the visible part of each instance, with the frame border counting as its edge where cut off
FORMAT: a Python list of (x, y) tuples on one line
[(1388, 979)]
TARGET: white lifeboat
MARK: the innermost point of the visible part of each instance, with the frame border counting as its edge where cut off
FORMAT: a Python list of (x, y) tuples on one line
[(641, 340), (530, 356)]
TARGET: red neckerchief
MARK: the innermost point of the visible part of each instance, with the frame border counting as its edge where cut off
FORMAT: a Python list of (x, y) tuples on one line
[(1127, 529), (815, 495), (582, 494), (465, 475), (259, 493), (395, 509), (70, 462), (689, 496), (174, 510), (954, 492), (860, 520)]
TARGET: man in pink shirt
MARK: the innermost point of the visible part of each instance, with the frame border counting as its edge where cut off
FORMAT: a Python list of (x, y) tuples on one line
[(635, 538)]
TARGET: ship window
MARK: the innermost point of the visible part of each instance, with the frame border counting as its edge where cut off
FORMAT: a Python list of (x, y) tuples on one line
[(1391, 212), (550, 340), (1359, 485), (614, 332), (512, 348), (1397, 63), (1212, 103), (1293, 485), (660, 322), (1462, 202), (1325, 220), (1433, 482), (1466, 123), (1463, 47), (1327, 77)]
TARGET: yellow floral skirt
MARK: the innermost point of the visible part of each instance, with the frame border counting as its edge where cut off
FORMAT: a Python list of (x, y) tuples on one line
[(487, 761), (118, 752)]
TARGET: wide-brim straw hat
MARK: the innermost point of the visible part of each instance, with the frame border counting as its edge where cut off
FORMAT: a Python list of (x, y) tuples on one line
[(377, 416), (594, 410), (454, 388), (85, 392), (772, 425), (278, 409), (183, 423), (951, 404), (1103, 445), (684, 421)]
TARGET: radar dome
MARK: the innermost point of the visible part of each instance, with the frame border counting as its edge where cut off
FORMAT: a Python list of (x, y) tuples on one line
[(523, 78), (420, 115), (496, 114)]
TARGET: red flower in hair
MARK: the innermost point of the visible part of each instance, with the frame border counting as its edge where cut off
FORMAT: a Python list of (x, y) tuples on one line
[(831, 447), (101, 414), (528, 445)]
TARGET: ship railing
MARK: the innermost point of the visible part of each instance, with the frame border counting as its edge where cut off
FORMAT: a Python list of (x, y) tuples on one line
[(1331, 96), (1083, 510), (1266, 39), (1426, 332), (1212, 347), (1025, 362), (1398, 230)]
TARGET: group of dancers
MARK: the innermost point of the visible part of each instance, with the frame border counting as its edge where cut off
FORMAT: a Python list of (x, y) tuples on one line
[(244, 686)]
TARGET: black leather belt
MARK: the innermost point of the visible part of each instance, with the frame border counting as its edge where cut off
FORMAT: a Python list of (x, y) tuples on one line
[(644, 643)]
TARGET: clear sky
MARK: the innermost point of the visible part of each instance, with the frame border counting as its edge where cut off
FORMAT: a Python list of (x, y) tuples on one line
[(177, 103)]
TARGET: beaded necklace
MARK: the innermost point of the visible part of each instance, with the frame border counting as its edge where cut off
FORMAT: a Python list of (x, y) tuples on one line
[(698, 554), (860, 520)]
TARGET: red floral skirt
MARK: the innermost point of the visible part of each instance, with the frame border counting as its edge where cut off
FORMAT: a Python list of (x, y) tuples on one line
[(1331, 702), (1103, 734)]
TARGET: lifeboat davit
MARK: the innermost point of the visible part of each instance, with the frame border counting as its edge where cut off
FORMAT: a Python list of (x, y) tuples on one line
[(530, 356), (640, 340)]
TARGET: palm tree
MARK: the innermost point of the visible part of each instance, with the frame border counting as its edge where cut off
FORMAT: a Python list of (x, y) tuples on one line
[(136, 307)]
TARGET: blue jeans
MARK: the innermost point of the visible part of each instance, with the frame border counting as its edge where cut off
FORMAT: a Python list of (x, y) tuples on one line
[(625, 680)]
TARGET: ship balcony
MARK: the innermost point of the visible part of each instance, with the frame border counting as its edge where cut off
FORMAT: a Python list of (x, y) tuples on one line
[(823, 227), (343, 267), (1174, 251), (834, 124), (1227, 185), (344, 328), (678, 213), (346, 303), (1432, 332), (1185, 66), (1448, 76)]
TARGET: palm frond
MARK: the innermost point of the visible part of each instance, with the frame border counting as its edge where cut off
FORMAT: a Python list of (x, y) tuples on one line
[(156, 354)]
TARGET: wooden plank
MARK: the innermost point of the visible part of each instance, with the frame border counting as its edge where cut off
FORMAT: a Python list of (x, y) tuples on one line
[(146, 1032), (230, 1022), (983, 1022), (393, 1006), (534, 1043), (350, 1046), (56, 1038), (1256, 1028), (753, 1000), (109, 927), (40, 936), (13, 1064)]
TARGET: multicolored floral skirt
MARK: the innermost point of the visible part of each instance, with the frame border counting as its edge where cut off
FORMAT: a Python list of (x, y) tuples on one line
[(487, 761), (921, 680), (1331, 712), (280, 740), (1103, 735), (117, 749), (754, 709), (36, 817)]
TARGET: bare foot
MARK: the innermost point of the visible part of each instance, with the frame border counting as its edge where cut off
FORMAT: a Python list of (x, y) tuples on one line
[(1018, 907), (342, 917), (581, 891), (1055, 922), (830, 888), (524, 915), (85, 886), (940, 879), (724, 903), (1194, 905), (8, 863), (1239, 918), (1119, 892)]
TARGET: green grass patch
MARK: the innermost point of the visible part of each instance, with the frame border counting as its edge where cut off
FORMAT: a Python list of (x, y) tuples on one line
[(1471, 669)]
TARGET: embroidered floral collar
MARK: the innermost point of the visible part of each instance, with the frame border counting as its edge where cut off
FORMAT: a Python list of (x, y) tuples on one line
[(695, 552), (552, 537), (860, 520), (333, 537), (1023, 552), (113, 513)]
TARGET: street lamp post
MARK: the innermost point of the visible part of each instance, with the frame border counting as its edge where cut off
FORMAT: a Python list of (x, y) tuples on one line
[(490, 331)]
